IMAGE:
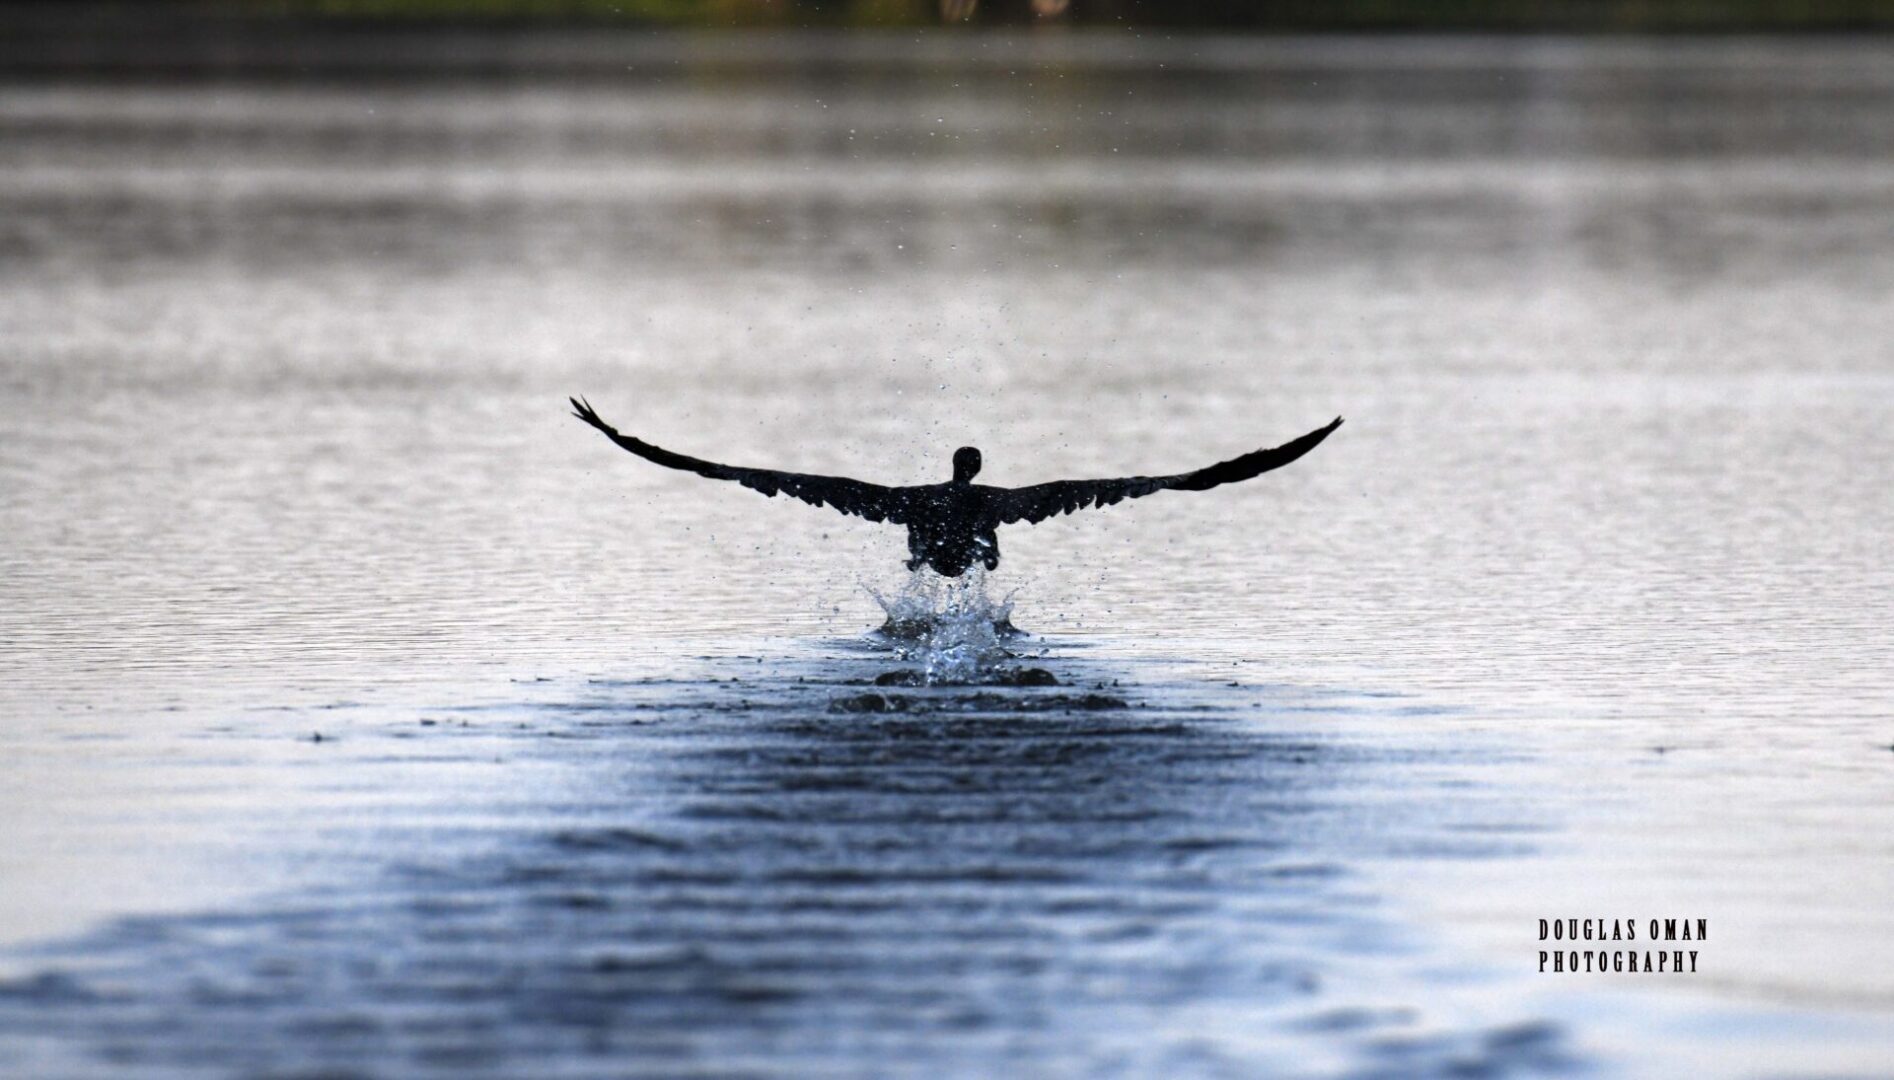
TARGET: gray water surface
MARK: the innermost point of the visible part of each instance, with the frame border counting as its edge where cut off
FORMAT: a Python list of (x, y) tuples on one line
[(1584, 612)]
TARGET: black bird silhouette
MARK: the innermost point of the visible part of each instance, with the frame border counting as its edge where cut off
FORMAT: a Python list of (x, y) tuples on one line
[(951, 526)]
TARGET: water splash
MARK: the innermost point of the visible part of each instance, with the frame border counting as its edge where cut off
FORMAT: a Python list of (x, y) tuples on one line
[(949, 626)]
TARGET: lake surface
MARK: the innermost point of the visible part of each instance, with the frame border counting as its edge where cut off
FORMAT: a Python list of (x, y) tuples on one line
[(366, 715)]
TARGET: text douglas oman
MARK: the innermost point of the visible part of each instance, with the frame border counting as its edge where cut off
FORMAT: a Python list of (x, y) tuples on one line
[(1565, 955)]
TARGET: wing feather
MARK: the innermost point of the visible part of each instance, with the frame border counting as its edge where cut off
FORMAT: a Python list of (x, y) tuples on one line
[(860, 498), (1041, 501)]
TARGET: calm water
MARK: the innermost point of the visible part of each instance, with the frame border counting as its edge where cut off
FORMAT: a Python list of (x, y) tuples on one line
[(1584, 613)]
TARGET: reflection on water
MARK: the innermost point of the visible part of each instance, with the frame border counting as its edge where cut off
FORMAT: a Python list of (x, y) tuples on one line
[(1598, 560), (738, 871)]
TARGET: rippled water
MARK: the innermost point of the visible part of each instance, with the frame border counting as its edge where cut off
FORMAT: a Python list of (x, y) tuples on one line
[(1583, 613)]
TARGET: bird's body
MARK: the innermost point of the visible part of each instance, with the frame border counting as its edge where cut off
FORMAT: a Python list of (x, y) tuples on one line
[(953, 526)]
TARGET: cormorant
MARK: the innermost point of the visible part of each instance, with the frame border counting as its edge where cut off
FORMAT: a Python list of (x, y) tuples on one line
[(951, 525)]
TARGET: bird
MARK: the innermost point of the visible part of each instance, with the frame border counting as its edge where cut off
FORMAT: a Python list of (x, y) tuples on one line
[(952, 526)]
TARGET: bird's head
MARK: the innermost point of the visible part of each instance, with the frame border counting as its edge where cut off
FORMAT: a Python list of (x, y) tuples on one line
[(966, 464)]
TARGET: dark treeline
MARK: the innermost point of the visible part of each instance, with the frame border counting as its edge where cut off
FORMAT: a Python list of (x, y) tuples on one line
[(1630, 16)]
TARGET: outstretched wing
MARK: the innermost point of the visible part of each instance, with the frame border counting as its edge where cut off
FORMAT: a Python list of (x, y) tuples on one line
[(871, 501), (1041, 501)]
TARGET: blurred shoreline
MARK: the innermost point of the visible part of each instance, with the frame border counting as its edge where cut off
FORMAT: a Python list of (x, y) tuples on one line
[(484, 38), (160, 43), (1588, 16)]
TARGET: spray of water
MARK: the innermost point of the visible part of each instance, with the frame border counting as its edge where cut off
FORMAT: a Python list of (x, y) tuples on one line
[(948, 626)]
